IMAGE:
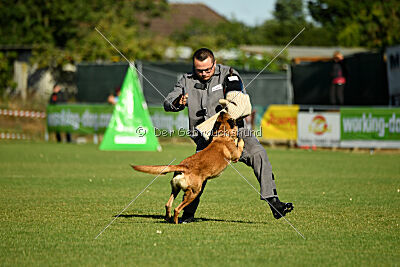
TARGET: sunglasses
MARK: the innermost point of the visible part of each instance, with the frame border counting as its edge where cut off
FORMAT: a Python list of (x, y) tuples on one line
[(208, 70)]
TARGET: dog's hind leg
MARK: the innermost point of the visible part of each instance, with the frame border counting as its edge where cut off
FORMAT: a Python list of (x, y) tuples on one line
[(175, 189), (168, 205), (189, 196)]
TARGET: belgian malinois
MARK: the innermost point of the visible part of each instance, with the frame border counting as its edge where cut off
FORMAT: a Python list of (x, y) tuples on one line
[(190, 174)]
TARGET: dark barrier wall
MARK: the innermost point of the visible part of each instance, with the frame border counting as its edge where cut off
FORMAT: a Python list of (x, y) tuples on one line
[(268, 88), (163, 76), (366, 81), (96, 82), (311, 83)]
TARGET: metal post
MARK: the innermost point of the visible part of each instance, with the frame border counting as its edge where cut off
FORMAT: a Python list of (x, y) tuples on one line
[(289, 84), (139, 65)]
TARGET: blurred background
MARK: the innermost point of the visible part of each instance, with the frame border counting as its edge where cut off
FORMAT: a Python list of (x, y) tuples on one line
[(43, 43)]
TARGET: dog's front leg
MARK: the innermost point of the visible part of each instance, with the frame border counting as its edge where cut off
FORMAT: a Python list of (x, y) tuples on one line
[(238, 152)]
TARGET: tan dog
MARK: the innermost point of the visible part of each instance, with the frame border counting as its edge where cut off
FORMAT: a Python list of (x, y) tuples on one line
[(209, 163)]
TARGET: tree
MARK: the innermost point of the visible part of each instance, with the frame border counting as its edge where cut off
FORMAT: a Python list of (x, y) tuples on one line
[(62, 31), (200, 33), (289, 20), (6, 70), (289, 11), (374, 24)]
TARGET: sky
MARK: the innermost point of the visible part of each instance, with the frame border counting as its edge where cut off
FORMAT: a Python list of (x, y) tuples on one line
[(250, 12)]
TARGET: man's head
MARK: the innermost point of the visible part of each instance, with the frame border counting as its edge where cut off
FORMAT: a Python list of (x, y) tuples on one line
[(337, 56), (56, 88), (204, 64)]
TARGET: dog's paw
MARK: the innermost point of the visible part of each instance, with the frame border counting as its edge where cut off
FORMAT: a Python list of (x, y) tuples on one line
[(240, 142), (236, 141)]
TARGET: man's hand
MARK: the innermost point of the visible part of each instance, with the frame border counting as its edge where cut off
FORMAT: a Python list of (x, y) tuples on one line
[(183, 99), (180, 102)]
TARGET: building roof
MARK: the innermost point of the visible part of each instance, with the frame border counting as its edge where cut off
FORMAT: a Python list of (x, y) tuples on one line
[(180, 15), (304, 53)]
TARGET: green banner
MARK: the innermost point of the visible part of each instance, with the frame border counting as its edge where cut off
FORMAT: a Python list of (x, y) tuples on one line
[(90, 119), (84, 119), (130, 127), (370, 124)]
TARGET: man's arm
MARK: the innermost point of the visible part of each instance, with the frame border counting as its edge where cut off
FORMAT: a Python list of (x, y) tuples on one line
[(174, 100), (237, 73)]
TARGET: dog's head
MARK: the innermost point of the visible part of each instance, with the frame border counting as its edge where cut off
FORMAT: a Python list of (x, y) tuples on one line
[(225, 126)]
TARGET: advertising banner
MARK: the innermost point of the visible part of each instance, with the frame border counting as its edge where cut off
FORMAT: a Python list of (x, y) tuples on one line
[(84, 119), (94, 118), (319, 129), (370, 127), (280, 122)]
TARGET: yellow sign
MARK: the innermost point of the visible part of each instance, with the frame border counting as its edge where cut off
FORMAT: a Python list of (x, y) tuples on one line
[(280, 122)]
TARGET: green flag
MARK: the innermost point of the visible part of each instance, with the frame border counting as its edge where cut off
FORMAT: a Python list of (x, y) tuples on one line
[(130, 127)]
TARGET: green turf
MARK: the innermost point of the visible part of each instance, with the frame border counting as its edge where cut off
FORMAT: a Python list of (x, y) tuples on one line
[(55, 199)]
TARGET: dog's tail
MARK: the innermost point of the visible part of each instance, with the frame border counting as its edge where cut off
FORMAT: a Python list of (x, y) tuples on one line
[(159, 169)]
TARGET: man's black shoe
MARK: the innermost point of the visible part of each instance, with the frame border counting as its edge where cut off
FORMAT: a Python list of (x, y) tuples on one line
[(185, 220), (279, 208)]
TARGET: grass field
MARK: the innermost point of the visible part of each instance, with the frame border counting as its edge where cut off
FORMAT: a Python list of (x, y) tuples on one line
[(55, 199)]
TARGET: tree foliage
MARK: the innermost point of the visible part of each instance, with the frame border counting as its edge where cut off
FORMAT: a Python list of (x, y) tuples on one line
[(289, 19), (6, 70), (374, 24), (289, 11), (63, 31)]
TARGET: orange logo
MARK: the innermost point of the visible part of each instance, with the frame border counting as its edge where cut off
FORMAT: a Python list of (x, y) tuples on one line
[(318, 125)]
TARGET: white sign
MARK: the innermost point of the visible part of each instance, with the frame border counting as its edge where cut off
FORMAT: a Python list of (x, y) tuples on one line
[(393, 69), (319, 129), (217, 87)]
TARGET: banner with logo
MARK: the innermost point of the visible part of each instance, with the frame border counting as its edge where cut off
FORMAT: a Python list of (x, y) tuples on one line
[(370, 127), (94, 118), (83, 119), (280, 122), (319, 129)]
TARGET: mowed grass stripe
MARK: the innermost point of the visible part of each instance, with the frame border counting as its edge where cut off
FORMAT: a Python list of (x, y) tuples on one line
[(55, 198)]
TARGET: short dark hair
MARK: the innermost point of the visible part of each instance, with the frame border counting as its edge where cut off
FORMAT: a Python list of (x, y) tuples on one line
[(202, 54)]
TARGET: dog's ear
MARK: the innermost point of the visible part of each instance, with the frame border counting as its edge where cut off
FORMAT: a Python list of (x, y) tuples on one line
[(232, 123)]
